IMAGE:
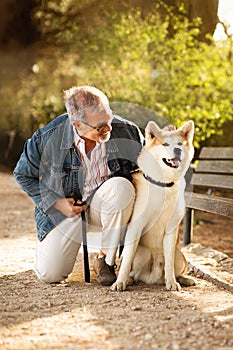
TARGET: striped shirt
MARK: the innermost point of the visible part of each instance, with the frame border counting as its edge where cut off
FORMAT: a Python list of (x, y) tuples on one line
[(95, 165)]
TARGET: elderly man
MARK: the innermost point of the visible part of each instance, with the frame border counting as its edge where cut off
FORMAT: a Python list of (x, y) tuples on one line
[(86, 154)]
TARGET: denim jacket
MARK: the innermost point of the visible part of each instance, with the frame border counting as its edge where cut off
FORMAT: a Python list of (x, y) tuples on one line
[(50, 168)]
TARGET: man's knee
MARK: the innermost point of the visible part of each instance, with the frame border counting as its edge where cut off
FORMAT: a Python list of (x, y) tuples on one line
[(50, 270), (119, 192), (50, 276), (124, 187)]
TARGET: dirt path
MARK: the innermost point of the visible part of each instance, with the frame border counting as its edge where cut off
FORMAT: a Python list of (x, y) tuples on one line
[(75, 315)]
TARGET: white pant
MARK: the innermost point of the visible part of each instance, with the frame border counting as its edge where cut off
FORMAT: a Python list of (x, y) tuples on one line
[(109, 212)]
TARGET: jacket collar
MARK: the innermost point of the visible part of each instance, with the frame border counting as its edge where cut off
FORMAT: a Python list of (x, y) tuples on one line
[(111, 146), (68, 135)]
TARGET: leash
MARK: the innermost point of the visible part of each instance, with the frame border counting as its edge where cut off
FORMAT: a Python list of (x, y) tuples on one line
[(84, 236), (85, 251), (84, 226)]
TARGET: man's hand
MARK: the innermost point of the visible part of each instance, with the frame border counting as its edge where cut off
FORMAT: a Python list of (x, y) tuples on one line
[(66, 206)]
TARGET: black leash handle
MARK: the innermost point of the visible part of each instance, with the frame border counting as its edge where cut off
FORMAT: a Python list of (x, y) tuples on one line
[(84, 236), (85, 251)]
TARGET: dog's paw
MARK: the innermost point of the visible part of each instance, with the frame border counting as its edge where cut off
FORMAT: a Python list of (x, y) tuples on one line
[(130, 281), (174, 286), (118, 286), (186, 281)]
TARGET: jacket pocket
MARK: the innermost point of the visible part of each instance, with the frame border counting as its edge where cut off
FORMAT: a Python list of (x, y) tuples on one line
[(58, 180)]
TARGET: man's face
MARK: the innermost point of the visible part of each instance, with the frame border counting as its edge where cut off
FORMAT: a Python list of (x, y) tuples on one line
[(96, 125)]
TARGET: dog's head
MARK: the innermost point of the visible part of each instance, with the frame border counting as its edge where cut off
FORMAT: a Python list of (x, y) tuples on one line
[(172, 150)]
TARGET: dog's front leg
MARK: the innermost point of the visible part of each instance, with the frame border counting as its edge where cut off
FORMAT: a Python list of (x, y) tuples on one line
[(169, 245), (132, 239)]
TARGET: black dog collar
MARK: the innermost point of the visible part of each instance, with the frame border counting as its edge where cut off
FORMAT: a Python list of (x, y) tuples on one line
[(158, 183)]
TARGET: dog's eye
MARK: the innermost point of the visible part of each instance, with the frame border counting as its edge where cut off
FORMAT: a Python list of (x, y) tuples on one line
[(180, 143), (165, 144)]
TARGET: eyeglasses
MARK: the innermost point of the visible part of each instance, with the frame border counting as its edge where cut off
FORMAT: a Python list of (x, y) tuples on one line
[(99, 127)]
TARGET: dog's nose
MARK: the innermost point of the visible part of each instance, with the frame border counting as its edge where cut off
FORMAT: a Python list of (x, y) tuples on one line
[(177, 152)]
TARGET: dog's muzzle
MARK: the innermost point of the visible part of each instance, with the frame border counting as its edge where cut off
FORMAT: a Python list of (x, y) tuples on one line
[(172, 163)]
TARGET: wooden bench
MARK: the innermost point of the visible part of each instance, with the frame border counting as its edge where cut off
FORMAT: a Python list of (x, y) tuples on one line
[(211, 186)]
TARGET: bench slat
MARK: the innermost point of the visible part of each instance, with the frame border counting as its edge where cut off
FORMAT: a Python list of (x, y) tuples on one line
[(215, 166), (211, 180), (214, 170), (216, 153), (215, 205)]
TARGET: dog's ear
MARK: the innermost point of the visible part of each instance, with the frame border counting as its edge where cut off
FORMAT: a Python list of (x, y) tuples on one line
[(152, 130), (187, 130)]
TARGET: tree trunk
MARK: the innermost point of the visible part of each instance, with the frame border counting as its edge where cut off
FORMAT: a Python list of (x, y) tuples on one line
[(207, 10)]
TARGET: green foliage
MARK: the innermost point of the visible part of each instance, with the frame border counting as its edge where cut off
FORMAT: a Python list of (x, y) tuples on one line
[(176, 76), (138, 60), (56, 20)]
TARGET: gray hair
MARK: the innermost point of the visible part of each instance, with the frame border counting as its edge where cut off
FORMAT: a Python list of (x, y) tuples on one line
[(77, 99)]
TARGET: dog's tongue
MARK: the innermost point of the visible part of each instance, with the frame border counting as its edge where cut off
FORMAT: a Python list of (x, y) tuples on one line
[(174, 162)]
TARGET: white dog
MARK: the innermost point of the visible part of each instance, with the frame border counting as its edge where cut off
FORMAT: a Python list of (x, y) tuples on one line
[(151, 253)]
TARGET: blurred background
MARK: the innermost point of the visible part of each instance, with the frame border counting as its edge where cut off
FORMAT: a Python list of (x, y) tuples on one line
[(168, 58)]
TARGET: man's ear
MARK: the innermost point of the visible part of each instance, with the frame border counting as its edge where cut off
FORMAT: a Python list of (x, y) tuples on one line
[(76, 124)]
